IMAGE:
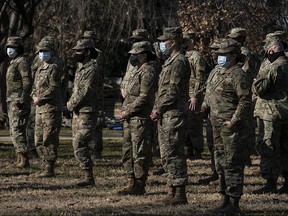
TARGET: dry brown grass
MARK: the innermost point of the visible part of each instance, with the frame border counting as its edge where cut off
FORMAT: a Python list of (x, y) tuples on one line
[(21, 194)]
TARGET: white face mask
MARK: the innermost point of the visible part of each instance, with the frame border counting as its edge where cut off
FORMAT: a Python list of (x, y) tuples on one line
[(45, 56), (11, 52)]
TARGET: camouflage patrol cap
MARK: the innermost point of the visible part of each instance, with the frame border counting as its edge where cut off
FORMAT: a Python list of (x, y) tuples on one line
[(143, 46), (47, 43), (89, 35), (273, 42), (216, 43), (139, 34), (171, 33), (277, 34), (14, 42), (237, 32), (84, 44), (229, 45)]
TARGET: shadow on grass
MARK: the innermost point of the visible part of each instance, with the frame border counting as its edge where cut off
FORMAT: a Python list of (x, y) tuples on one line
[(36, 186)]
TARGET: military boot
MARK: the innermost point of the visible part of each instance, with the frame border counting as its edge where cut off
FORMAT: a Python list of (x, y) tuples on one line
[(169, 196), (88, 180), (232, 208), (129, 187), (284, 188), (224, 203), (211, 178), (24, 161), (269, 187), (137, 189), (48, 171), (179, 197)]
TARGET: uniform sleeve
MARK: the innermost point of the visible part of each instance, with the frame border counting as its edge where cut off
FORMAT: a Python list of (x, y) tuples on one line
[(146, 92), (199, 66), (53, 83), (263, 83), (86, 89), (244, 95), (178, 71), (25, 72)]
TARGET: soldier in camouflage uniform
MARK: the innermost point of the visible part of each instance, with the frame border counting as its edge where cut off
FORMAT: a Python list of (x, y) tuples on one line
[(37, 62), (47, 97), (136, 108), (199, 75), (138, 35), (19, 83), (170, 109), (228, 98), (84, 104), (209, 131), (250, 64), (271, 87), (97, 153)]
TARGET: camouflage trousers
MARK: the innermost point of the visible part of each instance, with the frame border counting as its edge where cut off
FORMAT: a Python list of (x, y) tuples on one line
[(31, 129), (98, 133), (18, 119), (274, 149), (230, 152), (195, 139), (47, 129), (136, 148), (172, 134), (210, 143), (83, 132)]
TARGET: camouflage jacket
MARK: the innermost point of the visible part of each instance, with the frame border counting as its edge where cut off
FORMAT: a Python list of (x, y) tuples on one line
[(173, 86), (47, 87), (140, 94), (250, 63), (124, 83), (84, 97), (272, 88), (259, 110), (19, 82), (199, 74), (61, 65), (227, 95)]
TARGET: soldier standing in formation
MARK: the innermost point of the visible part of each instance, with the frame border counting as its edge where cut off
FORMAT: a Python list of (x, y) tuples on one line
[(136, 108), (19, 83), (271, 89), (97, 153), (138, 35), (170, 110), (199, 75), (83, 103), (228, 98), (46, 95)]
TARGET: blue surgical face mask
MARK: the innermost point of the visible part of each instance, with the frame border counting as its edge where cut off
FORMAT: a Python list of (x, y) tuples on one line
[(11, 52), (45, 55), (164, 49), (223, 61)]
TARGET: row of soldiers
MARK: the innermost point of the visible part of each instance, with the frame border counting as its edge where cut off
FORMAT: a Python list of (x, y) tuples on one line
[(45, 85), (163, 91), (180, 93)]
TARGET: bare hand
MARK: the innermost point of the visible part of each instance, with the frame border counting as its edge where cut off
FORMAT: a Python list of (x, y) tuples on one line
[(228, 124), (124, 114), (35, 100), (154, 115), (192, 104)]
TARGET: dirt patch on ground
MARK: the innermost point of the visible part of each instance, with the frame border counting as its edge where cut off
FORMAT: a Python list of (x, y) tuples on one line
[(21, 194)]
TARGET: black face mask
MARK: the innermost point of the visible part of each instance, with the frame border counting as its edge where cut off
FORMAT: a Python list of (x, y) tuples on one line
[(134, 60), (274, 56), (79, 57)]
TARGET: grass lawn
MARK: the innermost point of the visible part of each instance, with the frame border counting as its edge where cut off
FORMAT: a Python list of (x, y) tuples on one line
[(21, 194)]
